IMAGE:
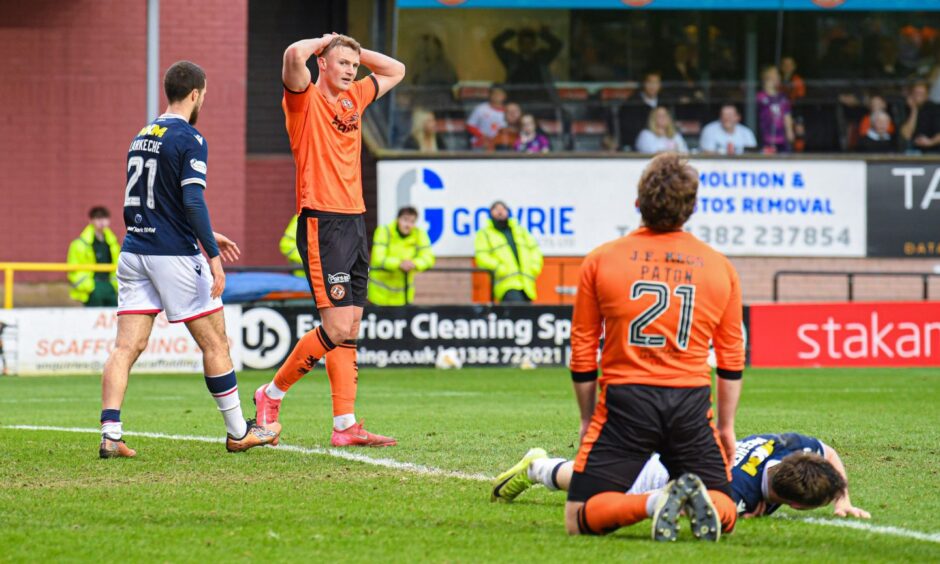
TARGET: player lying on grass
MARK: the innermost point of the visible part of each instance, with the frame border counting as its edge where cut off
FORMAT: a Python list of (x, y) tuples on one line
[(161, 268), (769, 471)]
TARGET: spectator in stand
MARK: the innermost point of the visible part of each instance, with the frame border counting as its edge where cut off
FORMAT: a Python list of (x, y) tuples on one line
[(530, 139), (424, 136), (927, 132), (487, 119), (886, 61), (683, 70), (660, 134), (774, 117), (878, 138), (876, 103), (633, 115), (505, 140), (433, 73), (528, 64), (727, 136), (792, 84), (916, 99), (96, 244)]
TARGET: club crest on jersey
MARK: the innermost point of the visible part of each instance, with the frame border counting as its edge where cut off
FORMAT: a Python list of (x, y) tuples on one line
[(337, 292), (338, 278), (197, 165), (346, 103)]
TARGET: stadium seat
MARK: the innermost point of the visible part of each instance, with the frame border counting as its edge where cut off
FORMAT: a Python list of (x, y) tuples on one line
[(454, 133), (588, 135)]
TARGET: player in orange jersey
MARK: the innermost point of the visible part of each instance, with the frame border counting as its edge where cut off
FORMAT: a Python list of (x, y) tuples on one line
[(324, 123), (659, 296)]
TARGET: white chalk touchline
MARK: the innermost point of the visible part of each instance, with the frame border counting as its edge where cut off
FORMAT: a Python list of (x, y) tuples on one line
[(867, 527), (335, 453), (431, 471)]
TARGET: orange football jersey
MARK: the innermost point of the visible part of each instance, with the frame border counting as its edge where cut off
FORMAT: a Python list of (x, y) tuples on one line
[(326, 140), (658, 299)]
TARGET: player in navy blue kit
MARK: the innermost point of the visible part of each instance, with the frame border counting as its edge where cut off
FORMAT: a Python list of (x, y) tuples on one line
[(162, 269), (768, 471)]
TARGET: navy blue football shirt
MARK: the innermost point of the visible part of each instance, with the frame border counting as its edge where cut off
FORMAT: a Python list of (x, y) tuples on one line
[(166, 155), (754, 455)]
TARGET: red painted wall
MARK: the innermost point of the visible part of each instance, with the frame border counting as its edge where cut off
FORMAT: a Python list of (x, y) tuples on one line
[(73, 95)]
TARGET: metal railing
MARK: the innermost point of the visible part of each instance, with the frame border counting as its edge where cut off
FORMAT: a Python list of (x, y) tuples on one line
[(850, 277), (9, 268)]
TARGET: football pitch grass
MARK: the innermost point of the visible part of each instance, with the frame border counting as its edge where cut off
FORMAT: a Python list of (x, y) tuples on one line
[(185, 499)]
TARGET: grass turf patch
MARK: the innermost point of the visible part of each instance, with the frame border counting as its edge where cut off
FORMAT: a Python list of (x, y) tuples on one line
[(186, 501)]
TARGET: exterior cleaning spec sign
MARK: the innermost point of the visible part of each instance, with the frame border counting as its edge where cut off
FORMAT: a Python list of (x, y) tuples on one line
[(416, 336), (745, 208)]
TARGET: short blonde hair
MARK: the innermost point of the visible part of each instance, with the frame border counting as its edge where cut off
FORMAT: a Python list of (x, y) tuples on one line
[(341, 41)]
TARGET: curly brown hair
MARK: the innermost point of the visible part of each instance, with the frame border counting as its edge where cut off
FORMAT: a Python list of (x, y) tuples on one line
[(667, 192), (807, 479)]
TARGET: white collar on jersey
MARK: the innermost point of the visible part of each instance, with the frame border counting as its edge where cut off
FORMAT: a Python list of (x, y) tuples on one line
[(171, 116), (763, 479)]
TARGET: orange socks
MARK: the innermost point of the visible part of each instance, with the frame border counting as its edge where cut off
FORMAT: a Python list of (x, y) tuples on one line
[(309, 350), (727, 511), (343, 372), (608, 511)]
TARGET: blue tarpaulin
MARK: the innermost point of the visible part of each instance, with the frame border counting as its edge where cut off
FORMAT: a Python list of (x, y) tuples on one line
[(251, 286)]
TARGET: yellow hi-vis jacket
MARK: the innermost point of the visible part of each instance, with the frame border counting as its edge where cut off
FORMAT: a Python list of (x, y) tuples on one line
[(81, 251), (386, 282), (494, 254), (289, 245)]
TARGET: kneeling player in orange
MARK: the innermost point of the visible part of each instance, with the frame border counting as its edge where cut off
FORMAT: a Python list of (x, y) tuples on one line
[(324, 123), (659, 295)]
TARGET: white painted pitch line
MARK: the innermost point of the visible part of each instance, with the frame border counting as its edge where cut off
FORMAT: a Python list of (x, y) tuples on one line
[(431, 471), (332, 452), (869, 528)]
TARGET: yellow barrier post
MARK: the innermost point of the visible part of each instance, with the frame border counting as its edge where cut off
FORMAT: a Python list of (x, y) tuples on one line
[(10, 267), (7, 288)]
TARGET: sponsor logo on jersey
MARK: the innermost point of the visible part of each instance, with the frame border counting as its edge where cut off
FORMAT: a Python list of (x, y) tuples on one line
[(153, 130), (197, 165), (758, 455), (198, 138), (345, 126), (337, 292), (338, 278)]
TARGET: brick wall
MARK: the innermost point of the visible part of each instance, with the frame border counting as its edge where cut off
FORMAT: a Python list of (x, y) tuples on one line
[(756, 281), (270, 203), (73, 93), (213, 34), (73, 87)]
